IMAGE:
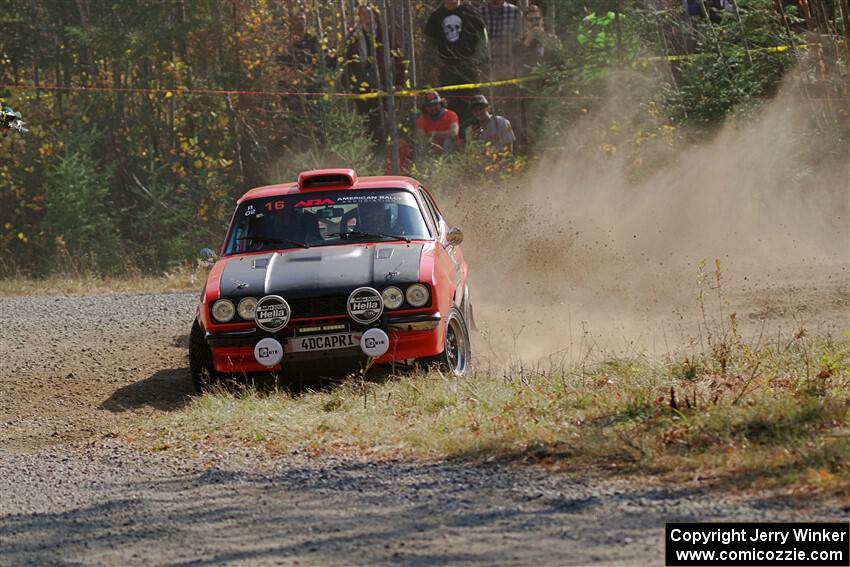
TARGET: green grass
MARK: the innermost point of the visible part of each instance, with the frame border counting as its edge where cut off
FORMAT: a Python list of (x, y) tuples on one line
[(776, 414)]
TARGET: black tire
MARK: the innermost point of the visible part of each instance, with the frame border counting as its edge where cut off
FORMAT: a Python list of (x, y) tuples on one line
[(456, 357), (200, 361)]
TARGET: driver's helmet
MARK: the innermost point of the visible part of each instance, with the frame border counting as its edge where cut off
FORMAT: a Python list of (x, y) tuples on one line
[(372, 217)]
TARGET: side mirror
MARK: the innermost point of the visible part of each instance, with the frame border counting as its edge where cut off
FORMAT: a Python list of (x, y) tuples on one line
[(207, 258), (455, 236)]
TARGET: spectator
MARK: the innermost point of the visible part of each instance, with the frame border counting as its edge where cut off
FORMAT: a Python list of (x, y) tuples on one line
[(304, 57), (713, 8), (8, 117), (495, 132), (437, 124), (503, 30), (304, 49), (537, 47), (532, 50), (456, 43), (365, 70)]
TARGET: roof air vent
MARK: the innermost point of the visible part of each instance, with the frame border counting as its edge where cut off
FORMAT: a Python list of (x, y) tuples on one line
[(327, 179)]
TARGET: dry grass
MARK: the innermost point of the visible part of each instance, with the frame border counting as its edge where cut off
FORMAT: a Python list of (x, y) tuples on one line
[(784, 424), (767, 411), (182, 279)]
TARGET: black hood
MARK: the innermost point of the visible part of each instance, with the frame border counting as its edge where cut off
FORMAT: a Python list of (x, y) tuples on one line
[(321, 270)]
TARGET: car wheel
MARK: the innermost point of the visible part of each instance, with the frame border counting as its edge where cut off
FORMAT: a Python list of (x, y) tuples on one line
[(457, 351), (200, 361)]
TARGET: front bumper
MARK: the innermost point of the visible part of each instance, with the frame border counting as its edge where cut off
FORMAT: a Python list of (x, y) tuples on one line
[(411, 337)]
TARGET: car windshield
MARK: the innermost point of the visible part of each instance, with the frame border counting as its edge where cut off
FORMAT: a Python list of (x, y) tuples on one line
[(323, 218)]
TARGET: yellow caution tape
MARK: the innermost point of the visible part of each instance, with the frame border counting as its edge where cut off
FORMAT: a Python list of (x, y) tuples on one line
[(519, 80), (168, 93), (461, 87), (739, 51)]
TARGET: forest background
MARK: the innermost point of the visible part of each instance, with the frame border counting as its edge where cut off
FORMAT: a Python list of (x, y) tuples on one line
[(147, 118)]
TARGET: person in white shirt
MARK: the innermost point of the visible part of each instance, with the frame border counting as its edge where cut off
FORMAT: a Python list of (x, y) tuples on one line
[(493, 131)]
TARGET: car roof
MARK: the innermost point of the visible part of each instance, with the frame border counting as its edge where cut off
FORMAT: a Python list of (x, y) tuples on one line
[(359, 183)]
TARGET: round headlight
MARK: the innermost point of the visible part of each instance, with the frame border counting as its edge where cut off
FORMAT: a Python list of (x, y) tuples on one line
[(417, 295), (393, 297), (223, 310), (246, 308)]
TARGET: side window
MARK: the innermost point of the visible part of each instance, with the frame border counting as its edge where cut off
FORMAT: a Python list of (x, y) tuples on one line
[(432, 211)]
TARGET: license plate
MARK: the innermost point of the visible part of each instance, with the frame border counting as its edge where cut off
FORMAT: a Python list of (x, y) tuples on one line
[(323, 342)]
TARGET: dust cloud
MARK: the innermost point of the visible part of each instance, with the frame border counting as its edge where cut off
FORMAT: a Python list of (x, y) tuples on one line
[(582, 253)]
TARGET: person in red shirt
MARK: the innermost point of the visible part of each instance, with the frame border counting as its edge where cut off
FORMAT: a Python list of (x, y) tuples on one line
[(437, 124)]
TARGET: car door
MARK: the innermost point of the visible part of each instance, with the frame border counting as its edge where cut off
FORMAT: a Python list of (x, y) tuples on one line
[(449, 256)]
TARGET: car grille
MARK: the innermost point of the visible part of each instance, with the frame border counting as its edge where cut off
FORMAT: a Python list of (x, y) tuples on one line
[(318, 306)]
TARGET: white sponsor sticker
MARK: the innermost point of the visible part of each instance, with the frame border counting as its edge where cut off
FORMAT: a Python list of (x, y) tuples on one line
[(268, 352), (365, 305), (368, 198), (374, 343), (272, 313)]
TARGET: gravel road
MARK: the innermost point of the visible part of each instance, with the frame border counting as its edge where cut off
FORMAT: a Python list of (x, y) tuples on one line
[(75, 369)]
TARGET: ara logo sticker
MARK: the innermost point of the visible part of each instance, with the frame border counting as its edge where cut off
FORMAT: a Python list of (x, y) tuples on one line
[(313, 203), (272, 313), (268, 352), (365, 305), (374, 342)]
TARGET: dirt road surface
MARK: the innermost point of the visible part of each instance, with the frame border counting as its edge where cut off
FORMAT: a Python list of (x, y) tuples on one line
[(74, 370)]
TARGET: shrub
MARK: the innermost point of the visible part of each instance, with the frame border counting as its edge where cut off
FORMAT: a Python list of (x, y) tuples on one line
[(80, 217), (341, 140)]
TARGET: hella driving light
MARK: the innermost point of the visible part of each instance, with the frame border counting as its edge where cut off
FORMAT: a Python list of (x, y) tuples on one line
[(393, 297), (365, 305), (272, 313), (223, 310), (247, 307), (417, 295)]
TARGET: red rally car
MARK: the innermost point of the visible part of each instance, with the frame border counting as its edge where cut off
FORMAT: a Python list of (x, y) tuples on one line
[(337, 270)]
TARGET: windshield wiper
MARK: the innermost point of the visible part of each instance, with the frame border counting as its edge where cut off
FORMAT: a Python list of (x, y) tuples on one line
[(361, 234), (270, 240)]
